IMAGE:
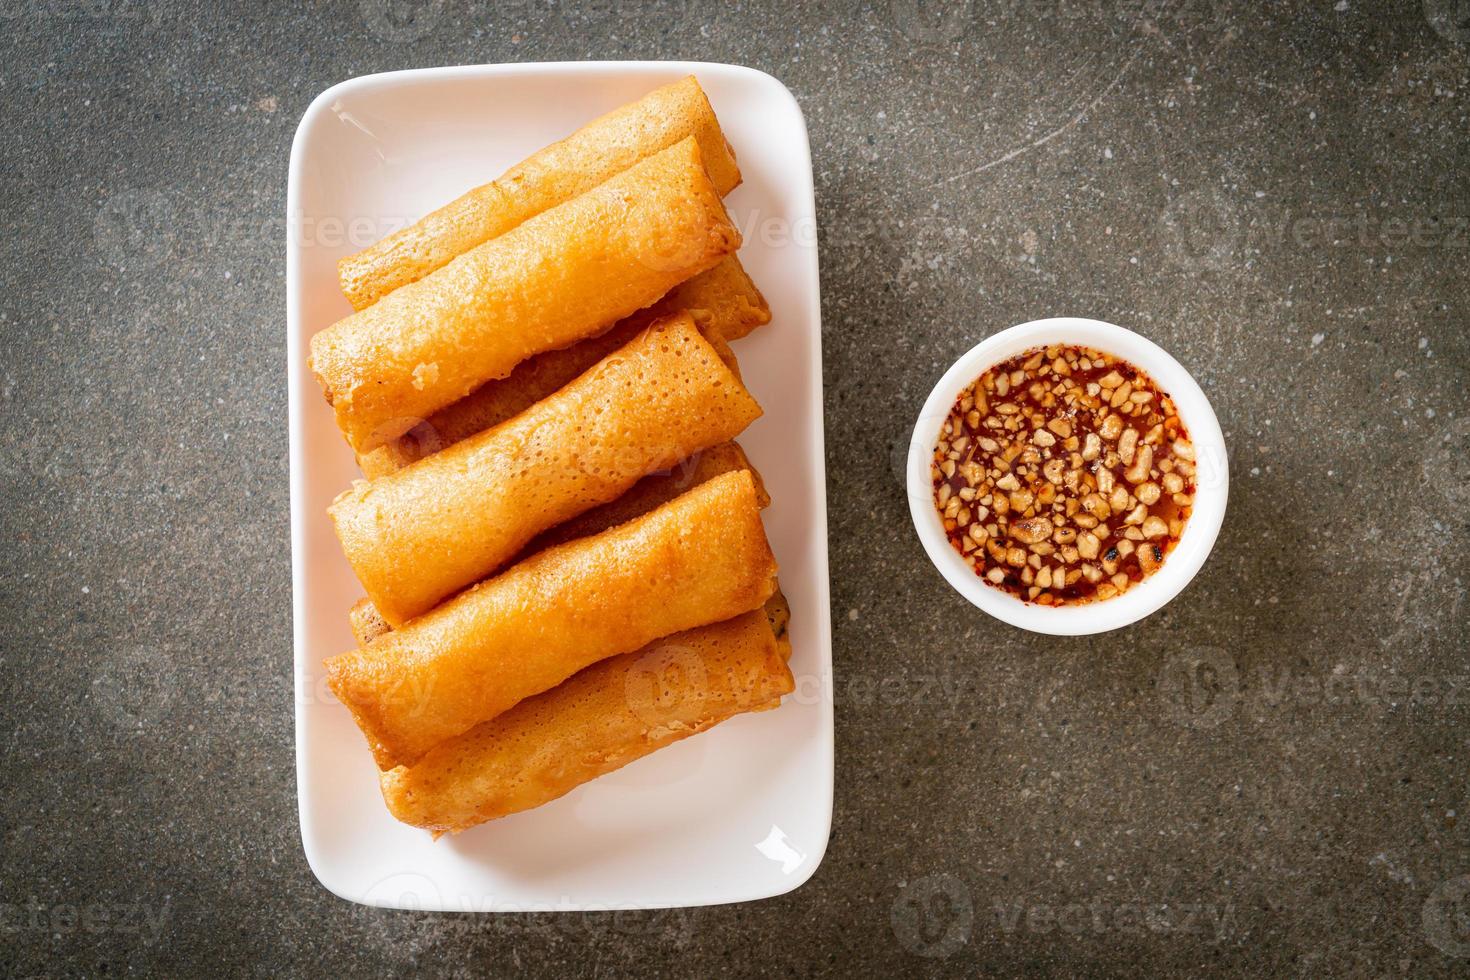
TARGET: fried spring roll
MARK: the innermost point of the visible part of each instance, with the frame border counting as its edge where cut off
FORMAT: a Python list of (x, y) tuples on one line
[(725, 304), (701, 558), (565, 275), (647, 493), (593, 154), (421, 534), (603, 718)]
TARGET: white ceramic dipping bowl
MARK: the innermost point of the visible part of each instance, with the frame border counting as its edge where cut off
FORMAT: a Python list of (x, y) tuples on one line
[(1212, 478)]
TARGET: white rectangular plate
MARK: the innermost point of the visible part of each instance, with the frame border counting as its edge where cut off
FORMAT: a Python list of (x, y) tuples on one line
[(740, 812)]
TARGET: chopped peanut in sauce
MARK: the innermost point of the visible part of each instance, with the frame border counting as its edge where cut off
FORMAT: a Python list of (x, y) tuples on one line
[(1064, 475)]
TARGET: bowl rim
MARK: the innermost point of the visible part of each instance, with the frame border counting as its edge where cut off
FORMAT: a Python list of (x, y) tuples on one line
[(1211, 494)]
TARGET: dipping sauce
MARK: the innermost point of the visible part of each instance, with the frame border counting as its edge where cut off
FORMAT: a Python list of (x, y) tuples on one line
[(1064, 475)]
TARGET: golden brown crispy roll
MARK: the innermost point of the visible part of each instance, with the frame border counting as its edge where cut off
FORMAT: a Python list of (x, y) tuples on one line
[(648, 493), (699, 559), (423, 533), (593, 154), (566, 274), (603, 718), (726, 303)]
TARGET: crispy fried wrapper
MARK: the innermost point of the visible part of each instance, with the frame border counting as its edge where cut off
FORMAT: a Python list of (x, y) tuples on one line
[(554, 175), (567, 274), (421, 534), (606, 716), (701, 558)]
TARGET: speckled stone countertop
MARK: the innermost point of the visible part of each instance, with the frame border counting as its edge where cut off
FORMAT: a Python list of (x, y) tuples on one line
[(1268, 777)]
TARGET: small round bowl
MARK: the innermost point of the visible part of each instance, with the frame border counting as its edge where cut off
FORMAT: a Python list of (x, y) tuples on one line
[(1212, 478)]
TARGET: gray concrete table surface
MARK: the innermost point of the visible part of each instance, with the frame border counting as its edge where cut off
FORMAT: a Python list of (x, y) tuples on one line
[(1268, 777)]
